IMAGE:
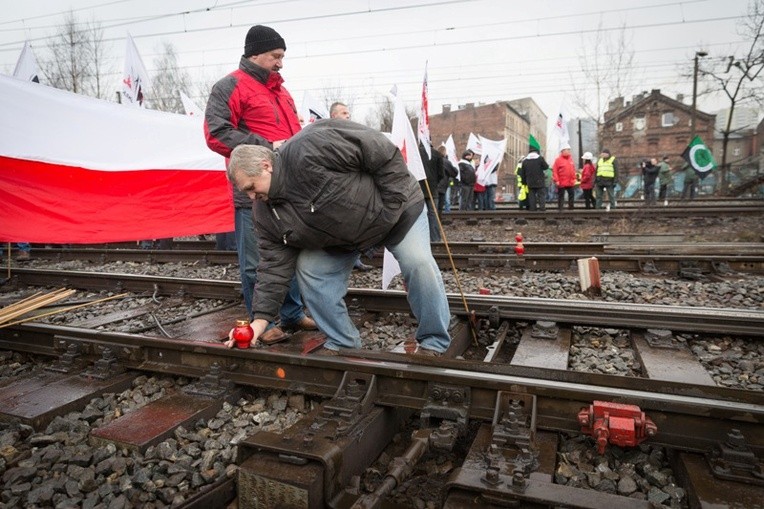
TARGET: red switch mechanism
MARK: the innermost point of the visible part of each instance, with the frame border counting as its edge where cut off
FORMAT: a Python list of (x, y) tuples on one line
[(616, 423)]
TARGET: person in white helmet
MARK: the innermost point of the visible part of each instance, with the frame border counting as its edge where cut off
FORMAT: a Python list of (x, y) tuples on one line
[(587, 180)]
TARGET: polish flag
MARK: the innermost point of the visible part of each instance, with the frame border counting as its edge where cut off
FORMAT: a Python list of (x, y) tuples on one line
[(135, 79), (75, 169), (403, 137)]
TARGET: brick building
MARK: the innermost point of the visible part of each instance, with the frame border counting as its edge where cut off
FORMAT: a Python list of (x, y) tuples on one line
[(651, 125), (493, 121)]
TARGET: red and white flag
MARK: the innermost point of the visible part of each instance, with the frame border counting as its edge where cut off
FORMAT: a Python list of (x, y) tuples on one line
[(561, 126), (75, 169), (135, 79), (192, 110), (26, 66), (451, 151), (493, 153), (423, 122), (403, 137), (473, 144)]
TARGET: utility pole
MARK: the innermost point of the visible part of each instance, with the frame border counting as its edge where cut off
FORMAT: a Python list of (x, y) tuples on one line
[(698, 54)]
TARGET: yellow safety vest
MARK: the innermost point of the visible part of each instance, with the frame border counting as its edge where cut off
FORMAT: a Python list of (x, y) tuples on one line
[(522, 191), (606, 167)]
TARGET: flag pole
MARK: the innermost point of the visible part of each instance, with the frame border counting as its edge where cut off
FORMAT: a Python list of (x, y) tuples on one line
[(470, 314)]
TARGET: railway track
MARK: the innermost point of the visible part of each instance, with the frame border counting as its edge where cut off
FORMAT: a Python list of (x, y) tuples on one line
[(711, 259), (507, 394)]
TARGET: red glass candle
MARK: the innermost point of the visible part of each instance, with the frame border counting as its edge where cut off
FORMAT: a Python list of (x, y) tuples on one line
[(243, 334)]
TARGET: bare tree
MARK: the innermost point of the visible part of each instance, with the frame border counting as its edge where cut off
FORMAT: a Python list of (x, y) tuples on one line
[(740, 79), (76, 58), (331, 93), (607, 63), (381, 116), (168, 81)]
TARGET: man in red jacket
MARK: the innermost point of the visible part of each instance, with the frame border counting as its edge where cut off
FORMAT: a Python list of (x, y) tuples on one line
[(587, 180), (251, 107), (564, 175)]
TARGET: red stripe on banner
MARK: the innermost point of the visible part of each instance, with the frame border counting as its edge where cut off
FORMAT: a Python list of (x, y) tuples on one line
[(53, 203)]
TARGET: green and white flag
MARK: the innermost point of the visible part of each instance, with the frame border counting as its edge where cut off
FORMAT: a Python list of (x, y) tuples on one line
[(699, 157)]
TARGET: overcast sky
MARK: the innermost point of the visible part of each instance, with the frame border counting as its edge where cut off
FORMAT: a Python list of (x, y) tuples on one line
[(476, 50)]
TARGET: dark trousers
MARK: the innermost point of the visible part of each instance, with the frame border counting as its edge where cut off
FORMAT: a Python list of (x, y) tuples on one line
[(650, 194), (537, 198), (560, 196), (663, 192), (589, 198)]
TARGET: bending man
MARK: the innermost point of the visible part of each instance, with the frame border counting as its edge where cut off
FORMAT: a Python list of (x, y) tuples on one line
[(352, 192)]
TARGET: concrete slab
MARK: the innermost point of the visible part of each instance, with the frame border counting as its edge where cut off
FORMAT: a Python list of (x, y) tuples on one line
[(672, 365), (156, 421), (40, 406), (543, 353)]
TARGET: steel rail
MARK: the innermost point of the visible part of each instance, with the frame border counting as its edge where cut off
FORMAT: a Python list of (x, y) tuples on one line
[(491, 256), (405, 381), (574, 312)]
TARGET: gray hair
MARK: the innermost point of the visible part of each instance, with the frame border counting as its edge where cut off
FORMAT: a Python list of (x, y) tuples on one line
[(335, 105), (248, 159)]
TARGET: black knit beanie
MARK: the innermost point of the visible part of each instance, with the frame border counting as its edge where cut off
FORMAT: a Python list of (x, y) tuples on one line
[(262, 39)]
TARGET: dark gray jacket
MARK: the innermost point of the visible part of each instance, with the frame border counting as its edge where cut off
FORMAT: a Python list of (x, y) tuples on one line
[(336, 185)]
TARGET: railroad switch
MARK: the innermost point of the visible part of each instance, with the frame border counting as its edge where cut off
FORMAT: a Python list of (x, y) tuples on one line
[(446, 403), (308, 465), (616, 423), (734, 460)]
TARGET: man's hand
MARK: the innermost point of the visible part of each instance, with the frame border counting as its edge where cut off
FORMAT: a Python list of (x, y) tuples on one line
[(258, 326), (277, 144)]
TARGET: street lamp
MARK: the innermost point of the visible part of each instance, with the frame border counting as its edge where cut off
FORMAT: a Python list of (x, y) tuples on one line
[(698, 54)]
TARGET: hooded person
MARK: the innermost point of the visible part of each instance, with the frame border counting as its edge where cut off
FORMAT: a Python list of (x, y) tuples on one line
[(564, 175), (532, 175)]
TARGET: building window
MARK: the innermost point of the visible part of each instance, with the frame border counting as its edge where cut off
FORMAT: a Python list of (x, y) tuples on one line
[(619, 127), (736, 151), (668, 119), (639, 123)]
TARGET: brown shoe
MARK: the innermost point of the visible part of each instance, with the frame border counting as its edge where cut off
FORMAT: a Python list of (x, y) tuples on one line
[(427, 352), (272, 335), (325, 352), (306, 323)]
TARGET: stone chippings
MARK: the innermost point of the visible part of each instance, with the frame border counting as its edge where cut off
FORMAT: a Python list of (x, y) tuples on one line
[(732, 362), (606, 351), (641, 472), (57, 467)]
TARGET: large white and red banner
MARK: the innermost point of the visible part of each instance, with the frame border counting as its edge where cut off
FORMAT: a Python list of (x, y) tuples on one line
[(74, 169)]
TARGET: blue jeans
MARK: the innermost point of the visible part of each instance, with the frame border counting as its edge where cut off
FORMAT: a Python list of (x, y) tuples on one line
[(490, 197), (249, 259), (24, 246), (432, 221), (324, 278)]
